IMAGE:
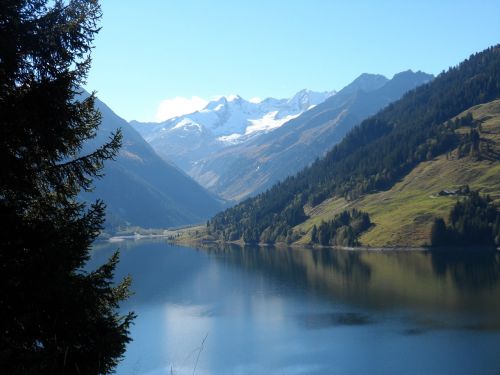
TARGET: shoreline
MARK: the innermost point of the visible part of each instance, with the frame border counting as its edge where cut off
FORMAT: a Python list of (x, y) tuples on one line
[(134, 237), (281, 245), (184, 237)]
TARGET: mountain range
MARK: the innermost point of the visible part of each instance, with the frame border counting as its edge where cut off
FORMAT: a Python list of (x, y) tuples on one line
[(223, 122), (142, 189), (238, 148), (242, 170)]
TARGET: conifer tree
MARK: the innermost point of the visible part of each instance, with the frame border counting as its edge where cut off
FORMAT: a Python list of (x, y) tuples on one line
[(438, 233), (56, 317), (314, 234)]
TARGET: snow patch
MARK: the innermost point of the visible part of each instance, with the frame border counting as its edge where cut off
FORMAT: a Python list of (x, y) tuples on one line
[(232, 98), (187, 124), (268, 122), (230, 139), (231, 119)]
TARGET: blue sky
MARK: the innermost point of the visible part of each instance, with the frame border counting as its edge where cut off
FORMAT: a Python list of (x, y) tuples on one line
[(155, 56)]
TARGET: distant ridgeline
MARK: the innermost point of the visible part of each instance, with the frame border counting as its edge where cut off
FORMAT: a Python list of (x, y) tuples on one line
[(374, 156)]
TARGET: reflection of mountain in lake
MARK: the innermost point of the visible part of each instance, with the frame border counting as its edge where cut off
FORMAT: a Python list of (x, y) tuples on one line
[(429, 282), (313, 270), (381, 279), (303, 306), (469, 270)]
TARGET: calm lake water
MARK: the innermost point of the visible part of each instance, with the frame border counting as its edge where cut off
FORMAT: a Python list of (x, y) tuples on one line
[(269, 311)]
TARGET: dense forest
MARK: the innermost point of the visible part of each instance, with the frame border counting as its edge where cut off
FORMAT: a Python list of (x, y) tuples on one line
[(343, 230), (472, 221), (374, 155)]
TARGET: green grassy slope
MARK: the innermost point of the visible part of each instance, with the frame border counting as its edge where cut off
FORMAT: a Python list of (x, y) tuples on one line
[(404, 214)]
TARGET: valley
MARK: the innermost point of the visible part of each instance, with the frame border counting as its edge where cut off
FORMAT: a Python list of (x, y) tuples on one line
[(142, 189), (249, 188), (308, 125), (401, 209)]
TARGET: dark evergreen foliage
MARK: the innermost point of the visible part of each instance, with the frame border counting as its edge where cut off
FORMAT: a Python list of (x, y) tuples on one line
[(314, 234), (472, 271), (343, 230), (56, 318), (472, 221), (439, 236), (470, 144), (374, 155)]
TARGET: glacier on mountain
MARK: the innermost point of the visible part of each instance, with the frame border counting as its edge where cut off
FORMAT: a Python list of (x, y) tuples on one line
[(232, 119)]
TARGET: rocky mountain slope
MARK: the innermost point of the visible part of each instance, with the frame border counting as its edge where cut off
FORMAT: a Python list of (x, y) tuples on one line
[(223, 122), (142, 189), (248, 168)]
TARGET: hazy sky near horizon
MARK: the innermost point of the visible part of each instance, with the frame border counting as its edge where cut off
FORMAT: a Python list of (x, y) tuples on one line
[(156, 58)]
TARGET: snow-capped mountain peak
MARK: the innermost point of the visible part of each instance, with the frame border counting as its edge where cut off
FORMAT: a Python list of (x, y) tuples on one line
[(233, 119), (304, 99), (233, 98), (212, 105), (187, 124), (229, 119)]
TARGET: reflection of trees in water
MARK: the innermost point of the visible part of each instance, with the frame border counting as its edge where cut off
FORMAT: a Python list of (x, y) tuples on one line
[(320, 269), (346, 263), (379, 279), (470, 270)]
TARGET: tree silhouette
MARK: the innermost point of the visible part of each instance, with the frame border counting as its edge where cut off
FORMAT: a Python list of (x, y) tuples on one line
[(56, 317)]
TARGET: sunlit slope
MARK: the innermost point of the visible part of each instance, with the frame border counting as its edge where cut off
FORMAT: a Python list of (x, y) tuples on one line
[(404, 214)]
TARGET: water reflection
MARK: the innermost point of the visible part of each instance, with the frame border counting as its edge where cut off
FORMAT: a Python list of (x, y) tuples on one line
[(303, 311), (438, 280), (323, 320), (469, 269)]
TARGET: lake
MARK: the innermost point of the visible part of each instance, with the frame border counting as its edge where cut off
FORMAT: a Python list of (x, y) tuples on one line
[(255, 311)]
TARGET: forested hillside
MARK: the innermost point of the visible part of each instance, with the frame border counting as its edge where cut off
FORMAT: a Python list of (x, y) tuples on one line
[(373, 156), (404, 214)]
